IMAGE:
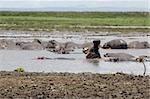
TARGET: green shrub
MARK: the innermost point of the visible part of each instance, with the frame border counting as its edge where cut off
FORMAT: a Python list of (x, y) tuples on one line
[(20, 69)]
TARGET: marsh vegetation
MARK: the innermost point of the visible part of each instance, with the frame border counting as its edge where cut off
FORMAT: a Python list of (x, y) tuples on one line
[(73, 21)]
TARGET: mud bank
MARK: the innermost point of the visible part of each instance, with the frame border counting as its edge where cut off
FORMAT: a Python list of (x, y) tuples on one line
[(74, 86)]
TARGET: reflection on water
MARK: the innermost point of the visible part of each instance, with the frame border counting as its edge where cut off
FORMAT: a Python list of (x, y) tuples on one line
[(10, 60), (95, 62)]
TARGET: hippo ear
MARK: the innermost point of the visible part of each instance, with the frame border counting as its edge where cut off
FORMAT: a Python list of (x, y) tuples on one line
[(37, 40), (53, 42)]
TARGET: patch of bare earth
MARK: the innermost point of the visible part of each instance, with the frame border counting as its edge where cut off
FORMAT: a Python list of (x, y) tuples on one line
[(73, 86)]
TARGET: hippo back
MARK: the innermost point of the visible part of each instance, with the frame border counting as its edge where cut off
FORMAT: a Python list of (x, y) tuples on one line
[(138, 45), (115, 44), (120, 56)]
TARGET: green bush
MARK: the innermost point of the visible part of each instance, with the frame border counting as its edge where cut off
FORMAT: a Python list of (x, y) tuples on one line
[(20, 69)]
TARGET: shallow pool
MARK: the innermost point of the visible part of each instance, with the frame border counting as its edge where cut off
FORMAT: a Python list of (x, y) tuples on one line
[(12, 59)]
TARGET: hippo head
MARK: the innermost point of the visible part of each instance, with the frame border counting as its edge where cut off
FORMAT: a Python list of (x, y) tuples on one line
[(85, 50), (53, 42), (145, 44), (106, 46), (96, 43), (106, 55), (19, 43)]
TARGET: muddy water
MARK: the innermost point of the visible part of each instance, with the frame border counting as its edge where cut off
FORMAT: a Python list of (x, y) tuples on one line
[(74, 37), (9, 60), (76, 62)]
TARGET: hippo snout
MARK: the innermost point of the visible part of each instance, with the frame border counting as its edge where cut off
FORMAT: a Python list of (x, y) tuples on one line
[(106, 55), (85, 50)]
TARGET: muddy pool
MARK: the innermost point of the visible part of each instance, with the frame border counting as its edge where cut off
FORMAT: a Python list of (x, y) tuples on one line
[(75, 62)]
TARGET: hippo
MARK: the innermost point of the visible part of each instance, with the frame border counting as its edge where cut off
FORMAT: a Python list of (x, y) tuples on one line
[(86, 50), (58, 58), (119, 57), (94, 51), (12, 46), (34, 45), (3, 44), (138, 45), (52, 44), (115, 44), (115, 57), (86, 45), (71, 45), (7, 44), (61, 48), (65, 48)]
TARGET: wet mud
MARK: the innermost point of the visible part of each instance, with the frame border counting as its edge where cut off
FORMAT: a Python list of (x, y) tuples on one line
[(73, 86)]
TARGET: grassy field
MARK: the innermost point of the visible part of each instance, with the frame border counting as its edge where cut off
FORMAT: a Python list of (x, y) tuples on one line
[(72, 21)]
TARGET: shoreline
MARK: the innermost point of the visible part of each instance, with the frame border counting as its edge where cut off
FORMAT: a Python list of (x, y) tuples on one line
[(84, 29), (26, 33), (71, 85)]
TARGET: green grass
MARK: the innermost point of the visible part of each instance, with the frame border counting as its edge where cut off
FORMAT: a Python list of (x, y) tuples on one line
[(69, 21)]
